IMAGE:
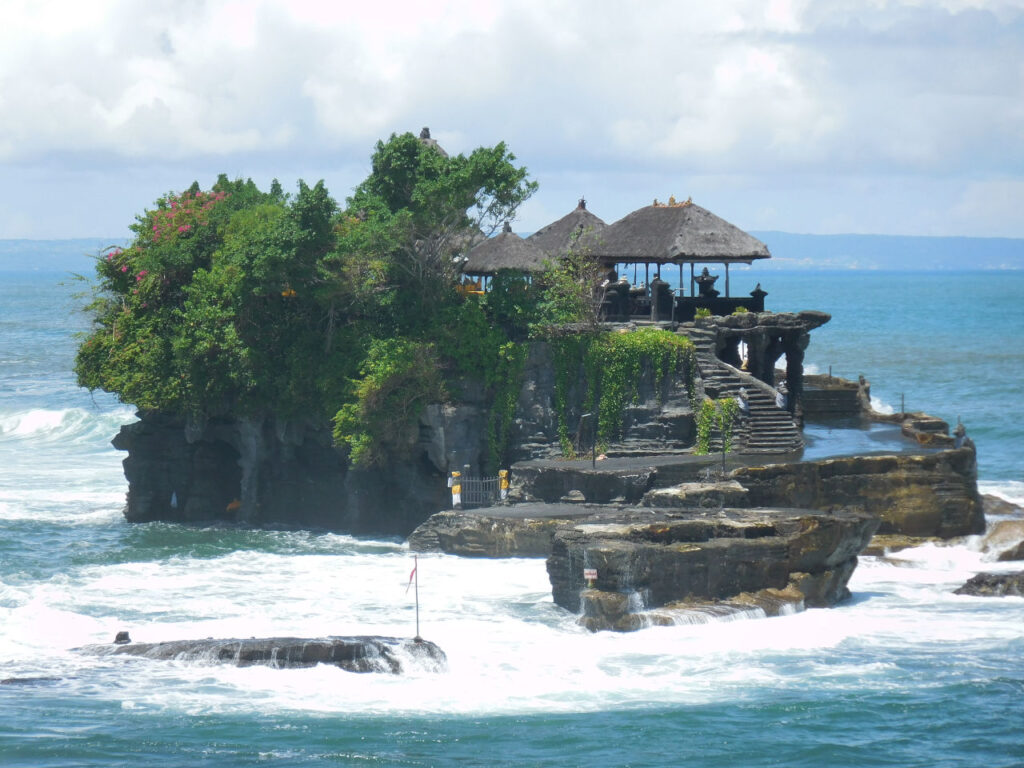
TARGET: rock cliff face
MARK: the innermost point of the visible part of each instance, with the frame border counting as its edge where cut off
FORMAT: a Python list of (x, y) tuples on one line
[(660, 421), (268, 472), (262, 473), (700, 557), (912, 494)]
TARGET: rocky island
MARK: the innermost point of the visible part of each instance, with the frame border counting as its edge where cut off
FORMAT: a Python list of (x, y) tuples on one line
[(366, 368)]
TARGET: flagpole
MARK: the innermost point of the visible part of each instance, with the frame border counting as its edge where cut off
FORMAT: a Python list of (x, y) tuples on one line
[(416, 573)]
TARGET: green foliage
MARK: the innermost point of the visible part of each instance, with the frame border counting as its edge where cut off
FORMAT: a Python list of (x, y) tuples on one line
[(419, 208), (603, 371), (572, 290), (508, 377), (716, 414), (512, 303), (212, 308), (233, 301), (702, 312), (740, 311), (398, 379)]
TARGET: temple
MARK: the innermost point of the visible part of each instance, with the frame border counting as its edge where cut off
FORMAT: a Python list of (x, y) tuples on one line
[(738, 339)]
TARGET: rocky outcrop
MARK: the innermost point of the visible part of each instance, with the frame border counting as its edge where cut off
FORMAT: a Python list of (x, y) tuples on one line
[(655, 565), (994, 585), (702, 557), (706, 495), (1005, 540), (354, 654), (933, 494)]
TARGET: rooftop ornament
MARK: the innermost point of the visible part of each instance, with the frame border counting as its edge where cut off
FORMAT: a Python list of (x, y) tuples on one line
[(425, 138)]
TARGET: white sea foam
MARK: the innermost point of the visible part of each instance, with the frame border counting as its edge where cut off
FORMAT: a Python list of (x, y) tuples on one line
[(510, 649), (881, 406), (42, 425), (1010, 490)]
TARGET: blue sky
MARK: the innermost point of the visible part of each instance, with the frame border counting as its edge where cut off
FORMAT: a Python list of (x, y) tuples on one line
[(841, 116)]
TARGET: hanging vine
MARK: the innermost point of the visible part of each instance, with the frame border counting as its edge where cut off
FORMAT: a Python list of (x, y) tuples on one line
[(609, 366), (720, 414), (507, 382)]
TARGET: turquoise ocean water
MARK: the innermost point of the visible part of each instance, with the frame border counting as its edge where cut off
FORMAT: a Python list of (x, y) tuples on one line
[(905, 674)]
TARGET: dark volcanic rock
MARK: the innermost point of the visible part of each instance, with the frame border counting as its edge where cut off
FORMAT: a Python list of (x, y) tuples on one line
[(706, 558), (355, 654), (994, 585)]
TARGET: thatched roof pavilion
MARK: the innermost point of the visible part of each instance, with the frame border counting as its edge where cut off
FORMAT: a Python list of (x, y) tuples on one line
[(677, 233), (579, 227), (504, 251)]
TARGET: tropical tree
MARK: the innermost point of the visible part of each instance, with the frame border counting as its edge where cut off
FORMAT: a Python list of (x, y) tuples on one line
[(233, 301)]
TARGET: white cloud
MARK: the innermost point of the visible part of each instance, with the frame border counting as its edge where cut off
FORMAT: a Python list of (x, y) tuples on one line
[(660, 93)]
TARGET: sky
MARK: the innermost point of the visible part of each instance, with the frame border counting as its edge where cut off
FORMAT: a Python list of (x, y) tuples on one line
[(808, 116)]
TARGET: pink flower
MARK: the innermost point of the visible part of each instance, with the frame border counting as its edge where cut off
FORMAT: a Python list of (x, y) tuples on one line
[(124, 268), (184, 227)]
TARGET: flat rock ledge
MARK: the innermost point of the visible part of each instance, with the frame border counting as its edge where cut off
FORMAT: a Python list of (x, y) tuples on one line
[(994, 585), (354, 654)]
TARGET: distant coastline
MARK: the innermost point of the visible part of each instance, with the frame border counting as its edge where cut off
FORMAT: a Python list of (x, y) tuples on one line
[(892, 252), (789, 251)]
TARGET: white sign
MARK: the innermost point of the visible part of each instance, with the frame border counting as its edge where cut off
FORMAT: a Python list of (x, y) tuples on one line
[(590, 574)]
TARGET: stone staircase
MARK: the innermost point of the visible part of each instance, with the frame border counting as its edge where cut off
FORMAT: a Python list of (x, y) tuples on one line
[(768, 429)]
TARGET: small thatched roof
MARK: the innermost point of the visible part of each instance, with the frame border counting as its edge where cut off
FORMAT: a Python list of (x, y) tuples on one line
[(677, 233), (505, 251), (556, 238)]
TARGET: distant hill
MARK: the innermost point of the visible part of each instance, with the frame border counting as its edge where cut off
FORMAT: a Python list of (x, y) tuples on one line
[(52, 255), (791, 251)]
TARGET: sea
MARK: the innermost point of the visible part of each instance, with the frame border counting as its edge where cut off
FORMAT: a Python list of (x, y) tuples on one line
[(905, 673)]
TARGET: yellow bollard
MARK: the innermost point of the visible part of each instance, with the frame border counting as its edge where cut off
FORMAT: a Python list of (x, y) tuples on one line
[(455, 482), (503, 483)]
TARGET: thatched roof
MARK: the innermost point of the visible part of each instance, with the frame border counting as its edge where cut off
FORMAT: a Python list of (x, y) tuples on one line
[(505, 251), (556, 238), (670, 234)]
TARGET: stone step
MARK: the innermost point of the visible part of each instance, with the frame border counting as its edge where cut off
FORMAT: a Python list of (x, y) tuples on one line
[(767, 428)]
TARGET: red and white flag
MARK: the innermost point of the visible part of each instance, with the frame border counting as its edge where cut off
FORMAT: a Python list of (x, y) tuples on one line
[(412, 575)]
